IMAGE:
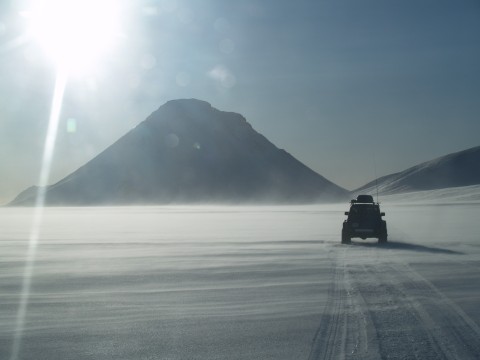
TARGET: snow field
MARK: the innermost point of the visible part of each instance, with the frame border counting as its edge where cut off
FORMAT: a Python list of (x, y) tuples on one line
[(211, 282)]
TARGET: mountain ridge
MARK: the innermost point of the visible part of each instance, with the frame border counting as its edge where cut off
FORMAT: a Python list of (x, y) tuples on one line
[(458, 169)]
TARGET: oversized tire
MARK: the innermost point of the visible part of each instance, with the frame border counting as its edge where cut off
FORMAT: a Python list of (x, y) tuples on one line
[(345, 238), (383, 238)]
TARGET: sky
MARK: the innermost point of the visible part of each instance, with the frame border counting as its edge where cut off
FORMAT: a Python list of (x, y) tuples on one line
[(353, 89)]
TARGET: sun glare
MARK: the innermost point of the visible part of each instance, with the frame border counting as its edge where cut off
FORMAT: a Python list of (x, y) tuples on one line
[(76, 34)]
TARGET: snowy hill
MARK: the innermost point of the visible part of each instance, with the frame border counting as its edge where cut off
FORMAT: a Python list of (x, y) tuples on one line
[(188, 152), (459, 169), (454, 195)]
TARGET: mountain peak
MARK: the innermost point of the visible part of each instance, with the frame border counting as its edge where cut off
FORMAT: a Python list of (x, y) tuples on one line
[(191, 103), (193, 111)]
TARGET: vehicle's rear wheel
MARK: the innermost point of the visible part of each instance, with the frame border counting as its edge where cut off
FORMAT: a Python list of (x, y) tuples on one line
[(383, 238), (345, 238)]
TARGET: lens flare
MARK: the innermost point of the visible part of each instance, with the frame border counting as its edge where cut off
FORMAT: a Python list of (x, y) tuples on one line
[(48, 151), (223, 76), (75, 34), (71, 126)]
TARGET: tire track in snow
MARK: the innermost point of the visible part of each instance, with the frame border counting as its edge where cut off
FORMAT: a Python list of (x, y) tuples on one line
[(329, 339), (457, 335), (384, 311), (345, 329), (400, 330)]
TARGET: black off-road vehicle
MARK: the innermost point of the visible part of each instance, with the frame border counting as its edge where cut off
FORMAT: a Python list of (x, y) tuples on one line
[(364, 221)]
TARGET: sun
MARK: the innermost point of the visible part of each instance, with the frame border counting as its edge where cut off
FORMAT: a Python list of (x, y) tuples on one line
[(76, 34)]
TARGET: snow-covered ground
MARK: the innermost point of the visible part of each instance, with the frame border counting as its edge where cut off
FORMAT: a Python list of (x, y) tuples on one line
[(210, 282)]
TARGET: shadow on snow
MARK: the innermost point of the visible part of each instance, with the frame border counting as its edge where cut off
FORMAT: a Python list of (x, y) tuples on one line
[(395, 245)]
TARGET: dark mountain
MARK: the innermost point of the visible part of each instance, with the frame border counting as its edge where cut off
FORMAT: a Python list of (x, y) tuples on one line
[(453, 170), (190, 152)]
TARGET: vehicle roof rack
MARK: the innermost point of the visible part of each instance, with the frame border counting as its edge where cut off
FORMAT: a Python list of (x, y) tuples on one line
[(365, 199)]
